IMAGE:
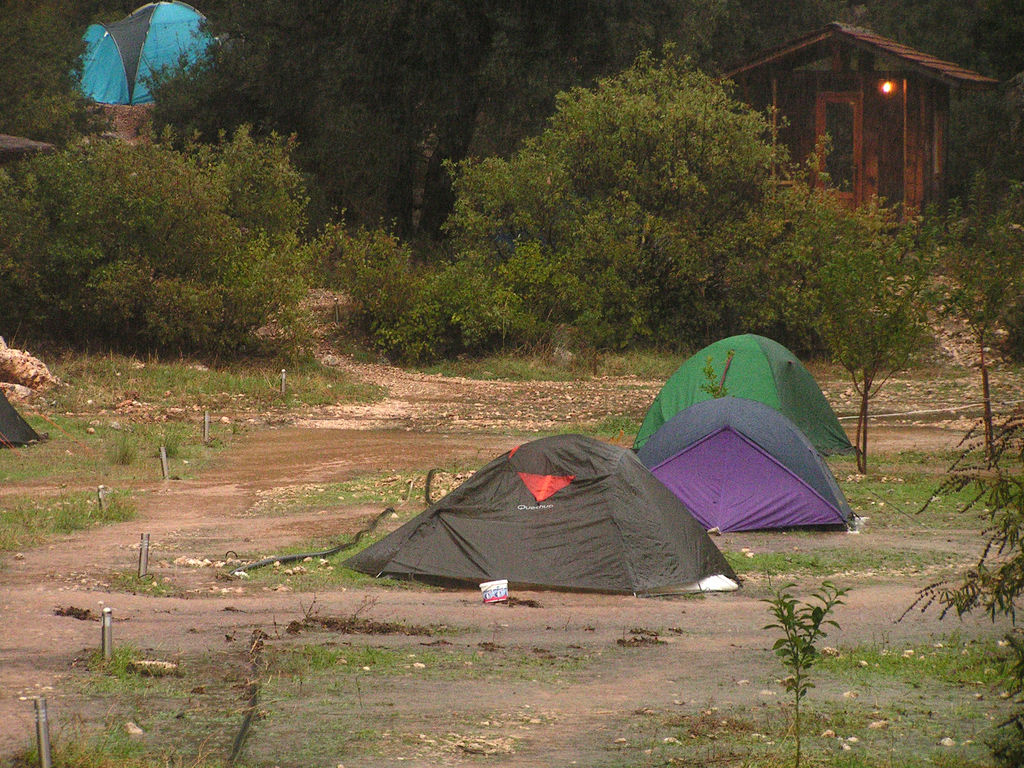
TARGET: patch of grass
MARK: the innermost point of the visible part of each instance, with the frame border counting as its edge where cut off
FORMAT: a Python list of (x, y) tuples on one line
[(971, 663), (822, 563), (121, 657), (545, 366), (110, 450), (129, 581), (851, 734), (618, 428), (187, 719), (314, 576), (29, 520), (386, 489), (111, 748), (455, 663), (897, 490), (98, 382), (123, 450)]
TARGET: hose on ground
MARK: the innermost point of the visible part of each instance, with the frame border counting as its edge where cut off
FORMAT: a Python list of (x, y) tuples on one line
[(321, 553)]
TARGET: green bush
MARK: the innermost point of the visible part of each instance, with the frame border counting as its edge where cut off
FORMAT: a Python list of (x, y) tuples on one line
[(622, 220), (42, 46), (374, 268), (148, 248)]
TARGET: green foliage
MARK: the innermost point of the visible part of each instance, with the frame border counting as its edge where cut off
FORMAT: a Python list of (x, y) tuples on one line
[(606, 224), (714, 383), (982, 256), (382, 93), (1008, 746), (39, 52), (872, 289), (995, 478), (124, 450), (144, 247), (377, 272), (982, 260), (802, 626), (28, 522)]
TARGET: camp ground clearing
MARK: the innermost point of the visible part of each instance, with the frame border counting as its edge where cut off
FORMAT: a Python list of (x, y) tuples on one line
[(329, 667)]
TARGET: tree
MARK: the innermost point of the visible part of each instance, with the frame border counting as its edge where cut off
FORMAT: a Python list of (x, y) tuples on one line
[(638, 192), (380, 93), (993, 478), (802, 625), (982, 258), (39, 50), (145, 248), (871, 284)]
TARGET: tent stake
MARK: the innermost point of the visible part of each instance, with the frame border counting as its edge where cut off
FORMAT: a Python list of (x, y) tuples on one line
[(107, 633), (143, 555), (43, 733)]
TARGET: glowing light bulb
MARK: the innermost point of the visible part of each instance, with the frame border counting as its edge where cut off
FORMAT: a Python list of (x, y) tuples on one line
[(888, 87)]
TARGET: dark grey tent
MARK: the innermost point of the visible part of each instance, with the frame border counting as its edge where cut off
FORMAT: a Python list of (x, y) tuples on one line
[(567, 512), (741, 465), (14, 430)]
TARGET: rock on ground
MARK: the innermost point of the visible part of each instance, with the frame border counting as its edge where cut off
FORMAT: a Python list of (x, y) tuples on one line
[(19, 367)]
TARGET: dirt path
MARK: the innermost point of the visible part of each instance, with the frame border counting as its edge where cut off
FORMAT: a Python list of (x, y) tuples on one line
[(426, 421)]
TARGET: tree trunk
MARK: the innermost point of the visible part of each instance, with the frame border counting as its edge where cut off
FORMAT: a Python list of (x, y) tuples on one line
[(862, 430), (986, 397)]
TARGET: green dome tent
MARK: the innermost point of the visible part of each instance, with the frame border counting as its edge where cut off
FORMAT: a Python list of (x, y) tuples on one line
[(120, 58), (758, 369)]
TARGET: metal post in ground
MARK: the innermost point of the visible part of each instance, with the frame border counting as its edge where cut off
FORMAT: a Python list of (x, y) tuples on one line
[(107, 639), (43, 733), (283, 380), (163, 463), (206, 427), (143, 555), (101, 497)]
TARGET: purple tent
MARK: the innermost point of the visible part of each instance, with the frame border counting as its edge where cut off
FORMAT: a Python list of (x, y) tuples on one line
[(741, 465)]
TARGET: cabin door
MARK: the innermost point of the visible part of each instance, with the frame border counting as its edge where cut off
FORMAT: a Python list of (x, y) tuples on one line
[(838, 115)]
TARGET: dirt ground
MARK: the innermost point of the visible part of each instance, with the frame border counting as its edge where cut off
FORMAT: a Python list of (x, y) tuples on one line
[(719, 655)]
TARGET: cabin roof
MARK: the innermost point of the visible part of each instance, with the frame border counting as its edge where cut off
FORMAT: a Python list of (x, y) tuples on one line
[(812, 46)]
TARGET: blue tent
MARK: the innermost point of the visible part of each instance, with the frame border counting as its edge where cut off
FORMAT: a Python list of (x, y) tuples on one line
[(120, 58)]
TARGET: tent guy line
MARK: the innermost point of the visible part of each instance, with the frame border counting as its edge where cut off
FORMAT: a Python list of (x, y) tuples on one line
[(932, 410)]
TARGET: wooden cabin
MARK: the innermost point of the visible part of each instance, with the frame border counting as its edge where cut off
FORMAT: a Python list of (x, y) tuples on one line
[(883, 105)]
